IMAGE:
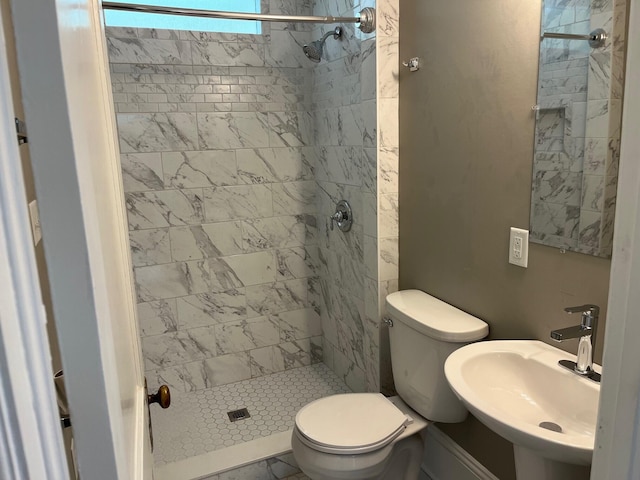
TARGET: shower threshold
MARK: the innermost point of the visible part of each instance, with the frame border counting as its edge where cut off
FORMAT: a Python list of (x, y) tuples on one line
[(195, 437)]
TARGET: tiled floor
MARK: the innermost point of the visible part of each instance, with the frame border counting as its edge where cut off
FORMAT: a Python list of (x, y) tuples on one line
[(197, 422)]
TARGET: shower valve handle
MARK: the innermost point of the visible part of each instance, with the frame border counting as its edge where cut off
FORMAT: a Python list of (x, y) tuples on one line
[(337, 218), (342, 217)]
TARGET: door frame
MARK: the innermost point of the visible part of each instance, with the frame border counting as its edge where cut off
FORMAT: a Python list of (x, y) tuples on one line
[(69, 110), (617, 445), (31, 444)]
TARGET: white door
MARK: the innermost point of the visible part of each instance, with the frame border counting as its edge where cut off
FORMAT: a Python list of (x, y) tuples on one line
[(70, 119)]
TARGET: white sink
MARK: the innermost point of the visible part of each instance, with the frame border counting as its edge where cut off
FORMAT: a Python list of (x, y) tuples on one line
[(515, 386)]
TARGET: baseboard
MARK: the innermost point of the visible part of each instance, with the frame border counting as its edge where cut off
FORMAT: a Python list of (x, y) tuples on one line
[(446, 460)]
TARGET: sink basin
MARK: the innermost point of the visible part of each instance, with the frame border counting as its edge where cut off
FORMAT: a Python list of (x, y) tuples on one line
[(517, 389)]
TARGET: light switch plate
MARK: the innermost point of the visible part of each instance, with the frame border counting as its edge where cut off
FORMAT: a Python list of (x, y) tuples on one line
[(519, 247), (35, 222)]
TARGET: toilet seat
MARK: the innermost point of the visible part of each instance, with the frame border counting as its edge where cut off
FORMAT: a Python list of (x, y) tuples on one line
[(350, 424)]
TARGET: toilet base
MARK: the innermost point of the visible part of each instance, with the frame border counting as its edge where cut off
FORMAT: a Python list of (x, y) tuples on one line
[(399, 460), (406, 459)]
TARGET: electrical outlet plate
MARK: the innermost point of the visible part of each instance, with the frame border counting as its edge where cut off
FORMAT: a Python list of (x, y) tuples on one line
[(519, 247), (35, 221)]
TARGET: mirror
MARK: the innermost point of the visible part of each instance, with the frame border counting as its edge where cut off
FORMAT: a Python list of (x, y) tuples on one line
[(577, 134)]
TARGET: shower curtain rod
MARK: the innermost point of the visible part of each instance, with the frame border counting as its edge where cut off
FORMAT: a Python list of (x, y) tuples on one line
[(367, 18)]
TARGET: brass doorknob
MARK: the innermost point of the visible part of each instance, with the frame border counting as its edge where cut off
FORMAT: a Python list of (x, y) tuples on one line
[(162, 397)]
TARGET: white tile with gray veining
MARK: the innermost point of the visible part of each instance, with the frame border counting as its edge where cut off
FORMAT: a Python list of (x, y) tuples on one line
[(232, 337), (237, 203), (199, 169), (175, 348), (592, 193), (387, 56), (142, 172), (268, 299), (340, 164), (266, 360), (207, 309), (173, 377), (595, 156), (351, 339), (388, 258), (286, 49), (343, 270), (368, 77), (217, 371), (388, 18), (137, 50), (277, 232), (298, 324), (348, 371), (248, 269), (341, 126), (233, 130), (557, 187), (388, 170), (150, 247), (369, 217), (555, 220), (296, 353), (389, 130), (290, 129), (172, 280), (270, 165), (164, 208), (388, 218), (597, 118), (228, 53), (157, 132), (206, 240), (294, 198), (299, 262), (158, 317)]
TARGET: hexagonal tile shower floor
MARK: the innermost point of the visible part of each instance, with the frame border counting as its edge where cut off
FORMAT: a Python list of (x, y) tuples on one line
[(197, 422)]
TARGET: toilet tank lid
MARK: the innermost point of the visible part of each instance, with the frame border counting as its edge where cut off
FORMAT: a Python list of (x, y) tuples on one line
[(434, 318)]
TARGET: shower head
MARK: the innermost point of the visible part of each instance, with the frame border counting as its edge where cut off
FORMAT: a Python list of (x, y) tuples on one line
[(313, 51)]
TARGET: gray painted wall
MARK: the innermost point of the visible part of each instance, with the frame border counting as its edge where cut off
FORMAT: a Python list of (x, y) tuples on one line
[(466, 143)]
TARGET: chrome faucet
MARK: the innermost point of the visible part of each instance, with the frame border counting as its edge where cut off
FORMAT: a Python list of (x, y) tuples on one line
[(586, 332)]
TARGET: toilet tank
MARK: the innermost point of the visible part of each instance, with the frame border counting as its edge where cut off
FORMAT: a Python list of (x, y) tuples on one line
[(425, 332)]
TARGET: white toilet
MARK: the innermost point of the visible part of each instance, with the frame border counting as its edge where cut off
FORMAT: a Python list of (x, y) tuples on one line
[(368, 436)]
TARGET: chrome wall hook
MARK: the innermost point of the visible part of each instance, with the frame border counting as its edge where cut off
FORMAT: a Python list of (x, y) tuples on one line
[(413, 64)]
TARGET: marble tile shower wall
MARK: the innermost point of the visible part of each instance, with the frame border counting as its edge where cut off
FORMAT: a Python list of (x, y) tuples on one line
[(355, 107), (383, 279), (216, 137), (344, 111)]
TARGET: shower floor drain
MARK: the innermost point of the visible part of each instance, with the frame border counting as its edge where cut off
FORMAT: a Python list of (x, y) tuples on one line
[(241, 414), (554, 427)]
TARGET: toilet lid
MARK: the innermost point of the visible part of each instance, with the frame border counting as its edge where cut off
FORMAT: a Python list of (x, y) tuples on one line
[(351, 421)]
